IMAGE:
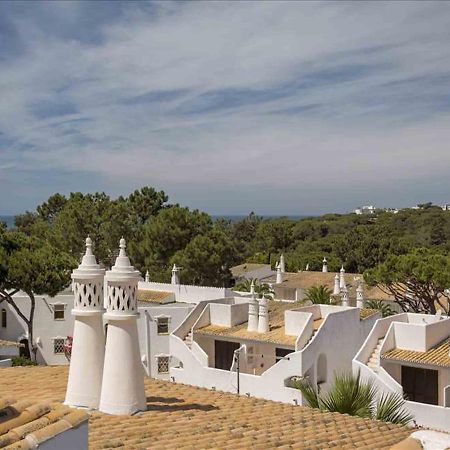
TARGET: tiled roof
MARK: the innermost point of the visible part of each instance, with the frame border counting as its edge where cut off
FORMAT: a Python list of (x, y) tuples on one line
[(188, 417), (275, 334), (437, 356), (4, 343), (237, 271), (24, 424), (307, 279), (150, 296)]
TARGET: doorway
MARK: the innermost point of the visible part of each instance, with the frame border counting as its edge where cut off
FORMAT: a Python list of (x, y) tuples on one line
[(224, 353), (420, 385)]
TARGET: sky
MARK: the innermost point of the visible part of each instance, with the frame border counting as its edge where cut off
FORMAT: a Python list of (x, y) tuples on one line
[(229, 107)]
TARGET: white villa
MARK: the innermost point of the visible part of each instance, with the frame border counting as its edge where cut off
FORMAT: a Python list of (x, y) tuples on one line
[(409, 354), (277, 343), (162, 308)]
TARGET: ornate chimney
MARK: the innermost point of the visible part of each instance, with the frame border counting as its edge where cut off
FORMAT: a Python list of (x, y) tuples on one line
[(147, 277), (345, 301), (360, 294), (88, 345), (324, 265), (279, 274), (175, 275), (282, 264), (337, 289), (263, 324), (123, 375), (342, 278), (253, 311)]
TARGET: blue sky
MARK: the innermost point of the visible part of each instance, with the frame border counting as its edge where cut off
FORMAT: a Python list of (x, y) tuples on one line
[(280, 108)]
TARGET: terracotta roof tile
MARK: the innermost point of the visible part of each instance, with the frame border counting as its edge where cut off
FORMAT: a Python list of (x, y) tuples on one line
[(437, 356), (181, 416), (150, 296), (275, 334), (4, 343), (23, 424)]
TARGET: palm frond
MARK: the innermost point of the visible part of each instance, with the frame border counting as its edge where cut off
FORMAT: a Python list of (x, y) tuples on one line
[(389, 408), (310, 395)]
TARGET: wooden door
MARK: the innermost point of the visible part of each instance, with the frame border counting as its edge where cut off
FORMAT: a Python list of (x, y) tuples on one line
[(420, 385), (224, 352)]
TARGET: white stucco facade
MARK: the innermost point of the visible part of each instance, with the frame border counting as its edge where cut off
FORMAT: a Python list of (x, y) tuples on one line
[(325, 339), (418, 345)]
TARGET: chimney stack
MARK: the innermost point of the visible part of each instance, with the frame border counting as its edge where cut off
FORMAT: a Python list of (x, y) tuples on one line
[(282, 264), (175, 275), (279, 274), (360, 294), (337, 289), (88, 346), (147, 277), (123, 375), (345, 301), (324, 265), (263, 324), (253, 312), (342, 278)]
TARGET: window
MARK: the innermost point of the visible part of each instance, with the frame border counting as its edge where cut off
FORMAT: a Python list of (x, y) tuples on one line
[(58, 345), (4, 320), (163, 325), (281, 353), (420, 385), (59, 312), (163, 364)]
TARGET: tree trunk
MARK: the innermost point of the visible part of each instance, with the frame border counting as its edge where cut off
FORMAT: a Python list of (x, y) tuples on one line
[(32, 346)]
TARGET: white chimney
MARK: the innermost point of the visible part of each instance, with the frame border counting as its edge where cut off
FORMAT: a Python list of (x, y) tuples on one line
[(360, 295), (123, 375), (147, 277), (342, 278), (337, 289), (345, 301), (324, 265), (253, 313), (88, 345), (282, 264), (307, 267), (175, 275), (263, 324), (279, 274)]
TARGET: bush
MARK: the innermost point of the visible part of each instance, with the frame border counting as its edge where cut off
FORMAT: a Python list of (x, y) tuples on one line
[(22, 361)]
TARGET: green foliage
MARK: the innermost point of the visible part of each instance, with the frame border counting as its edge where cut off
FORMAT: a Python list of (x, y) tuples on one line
[(349, 395), (384, 308), (390, 409), (417, 280), (165, 234), (206, 260), (260, 288), (319, 295), (22, 361)]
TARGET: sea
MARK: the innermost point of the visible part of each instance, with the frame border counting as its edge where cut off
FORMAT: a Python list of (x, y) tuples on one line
[(9, 220)]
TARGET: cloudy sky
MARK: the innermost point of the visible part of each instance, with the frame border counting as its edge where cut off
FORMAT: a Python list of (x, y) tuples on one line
[(281, 108)]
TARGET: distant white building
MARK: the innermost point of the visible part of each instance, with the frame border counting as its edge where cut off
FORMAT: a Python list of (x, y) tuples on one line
[(409, 354), (369, 209), (300, 342)]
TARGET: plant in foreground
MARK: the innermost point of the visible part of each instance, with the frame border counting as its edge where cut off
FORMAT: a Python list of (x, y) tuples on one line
[(349, 395)]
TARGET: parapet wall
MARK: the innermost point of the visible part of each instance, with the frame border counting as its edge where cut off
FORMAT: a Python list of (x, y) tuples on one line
[(188, 293)]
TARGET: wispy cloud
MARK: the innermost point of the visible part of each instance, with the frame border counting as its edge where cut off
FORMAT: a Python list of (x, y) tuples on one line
[(274, 106)]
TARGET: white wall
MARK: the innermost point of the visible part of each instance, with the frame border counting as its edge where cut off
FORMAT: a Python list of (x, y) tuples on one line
[(151, 343), (187, 293), (45, 327), (338, 339)]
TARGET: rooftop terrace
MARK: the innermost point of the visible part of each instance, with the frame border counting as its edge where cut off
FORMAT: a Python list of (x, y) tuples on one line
[(187, 417)]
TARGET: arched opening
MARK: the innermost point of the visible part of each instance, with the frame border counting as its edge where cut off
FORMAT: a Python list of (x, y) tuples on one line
[(24, 350), (321, 369)]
